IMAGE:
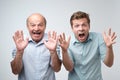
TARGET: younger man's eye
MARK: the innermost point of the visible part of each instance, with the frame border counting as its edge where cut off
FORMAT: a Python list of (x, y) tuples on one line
[(76, 26)]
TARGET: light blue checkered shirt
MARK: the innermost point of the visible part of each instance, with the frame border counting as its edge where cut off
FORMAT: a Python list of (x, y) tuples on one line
[(87, 57), (36, 62)]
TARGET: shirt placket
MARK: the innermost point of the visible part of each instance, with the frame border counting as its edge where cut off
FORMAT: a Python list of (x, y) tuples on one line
[(37, 64)]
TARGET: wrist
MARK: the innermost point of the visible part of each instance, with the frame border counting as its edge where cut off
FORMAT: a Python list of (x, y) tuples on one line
[(20, 52), (109, 47), (52, 51), (19, 55), (64, 51)]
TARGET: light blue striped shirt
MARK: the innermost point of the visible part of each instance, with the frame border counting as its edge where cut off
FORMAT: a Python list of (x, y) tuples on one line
[(87, 57), (36, 62)]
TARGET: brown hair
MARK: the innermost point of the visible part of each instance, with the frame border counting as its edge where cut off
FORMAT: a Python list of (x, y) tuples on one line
[(79, 15)]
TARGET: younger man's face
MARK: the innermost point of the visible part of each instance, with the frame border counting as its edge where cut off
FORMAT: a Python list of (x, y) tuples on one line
[(81, 29)]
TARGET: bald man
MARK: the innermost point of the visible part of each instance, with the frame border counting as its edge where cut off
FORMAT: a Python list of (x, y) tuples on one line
[(38, 57)]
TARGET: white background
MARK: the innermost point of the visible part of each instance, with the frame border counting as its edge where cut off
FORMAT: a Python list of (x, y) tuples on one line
[(13, 14)]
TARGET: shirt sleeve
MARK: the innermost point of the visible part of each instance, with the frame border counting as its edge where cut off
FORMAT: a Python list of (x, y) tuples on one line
[(59, 53), (13, 53), (71, 55), (102, 48)]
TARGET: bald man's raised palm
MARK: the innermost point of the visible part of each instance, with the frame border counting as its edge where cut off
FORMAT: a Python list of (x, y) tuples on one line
[(51, 44), (19, 40)]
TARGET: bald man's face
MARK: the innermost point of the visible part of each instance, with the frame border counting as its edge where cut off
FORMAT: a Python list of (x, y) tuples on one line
[(36, 26)]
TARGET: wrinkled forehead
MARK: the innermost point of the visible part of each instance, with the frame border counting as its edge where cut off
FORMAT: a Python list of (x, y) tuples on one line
[(35, 18)]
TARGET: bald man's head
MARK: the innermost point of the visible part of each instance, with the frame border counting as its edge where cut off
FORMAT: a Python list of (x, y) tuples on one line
[(36, 15)]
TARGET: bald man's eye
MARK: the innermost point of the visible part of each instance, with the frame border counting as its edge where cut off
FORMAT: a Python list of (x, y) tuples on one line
[(33, 25), (40, 24)]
